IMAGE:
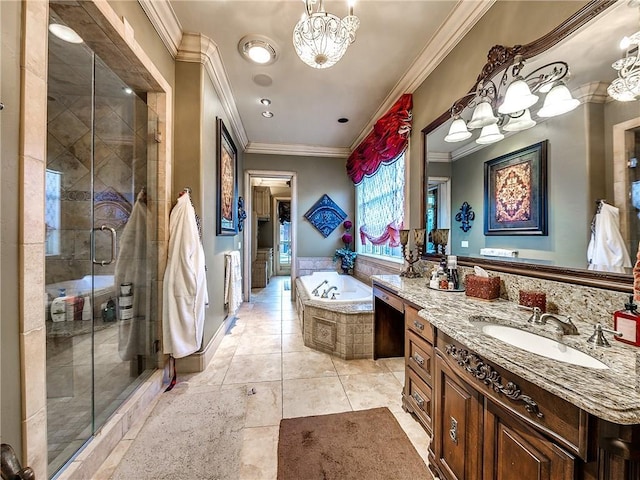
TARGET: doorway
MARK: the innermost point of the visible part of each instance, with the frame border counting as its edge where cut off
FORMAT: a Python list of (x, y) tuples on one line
[(267, 238), (100, 260)]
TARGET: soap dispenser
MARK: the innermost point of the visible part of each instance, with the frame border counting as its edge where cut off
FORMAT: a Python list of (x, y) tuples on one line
[(627, 322)]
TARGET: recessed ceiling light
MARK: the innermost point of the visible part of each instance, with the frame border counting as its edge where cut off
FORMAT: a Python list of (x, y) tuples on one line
[(267, 114), (258, 49), (343, 120), (265, 101), (65, 33), (127, 90)]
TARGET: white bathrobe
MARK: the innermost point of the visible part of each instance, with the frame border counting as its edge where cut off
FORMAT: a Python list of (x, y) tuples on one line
[(185, 284), (607, 250)]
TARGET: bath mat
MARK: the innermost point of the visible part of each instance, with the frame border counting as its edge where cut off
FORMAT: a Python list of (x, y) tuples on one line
[(347, 446), (189, 435)]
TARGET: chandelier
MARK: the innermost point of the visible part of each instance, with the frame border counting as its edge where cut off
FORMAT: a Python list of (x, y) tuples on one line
[(510, 111), (626, 87), (321, 38)]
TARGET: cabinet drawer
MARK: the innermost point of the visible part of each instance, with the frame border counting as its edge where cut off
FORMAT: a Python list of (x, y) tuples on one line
[(389, 298), (419, 396), (418, 324), (419, 356)]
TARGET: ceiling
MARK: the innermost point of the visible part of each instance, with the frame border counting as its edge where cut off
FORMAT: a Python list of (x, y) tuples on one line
[(398, 44)]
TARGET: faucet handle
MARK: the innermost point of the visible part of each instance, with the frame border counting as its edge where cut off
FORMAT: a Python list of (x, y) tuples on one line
[(598, 337), (535, 317)]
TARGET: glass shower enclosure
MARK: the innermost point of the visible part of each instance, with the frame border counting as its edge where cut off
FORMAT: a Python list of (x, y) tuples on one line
[(100, 257)]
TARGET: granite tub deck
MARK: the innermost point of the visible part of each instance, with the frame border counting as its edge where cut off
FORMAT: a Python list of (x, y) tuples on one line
[(612, 394), (341, 329)]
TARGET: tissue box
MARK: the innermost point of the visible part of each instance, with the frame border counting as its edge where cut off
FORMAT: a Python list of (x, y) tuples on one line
[(482, 287)]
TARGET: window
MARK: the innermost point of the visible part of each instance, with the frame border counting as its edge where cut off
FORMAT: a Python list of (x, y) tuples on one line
[(380, 209), (52, 212)]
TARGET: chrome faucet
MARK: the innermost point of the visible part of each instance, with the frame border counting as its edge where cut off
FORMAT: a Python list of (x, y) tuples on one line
[(315, 290), (567, 326), (325, 294), (598, 335)]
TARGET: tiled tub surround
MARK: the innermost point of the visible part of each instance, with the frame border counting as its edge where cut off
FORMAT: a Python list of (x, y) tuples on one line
[(610, 394), (341, 329)]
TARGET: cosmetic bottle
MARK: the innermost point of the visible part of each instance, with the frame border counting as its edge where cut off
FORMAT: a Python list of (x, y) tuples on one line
[(627, 322)]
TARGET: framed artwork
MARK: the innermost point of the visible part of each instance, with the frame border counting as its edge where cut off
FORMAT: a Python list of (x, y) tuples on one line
[(515, 192), (227, 182)]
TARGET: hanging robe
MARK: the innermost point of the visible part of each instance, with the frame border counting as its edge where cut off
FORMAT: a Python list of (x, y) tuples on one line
[(131, 267), (185, 284), (607, 250)]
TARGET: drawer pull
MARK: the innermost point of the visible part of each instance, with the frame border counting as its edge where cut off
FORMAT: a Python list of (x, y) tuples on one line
[(484, 373), (418, 359), (418, 325), (419, 400), (453, 430)]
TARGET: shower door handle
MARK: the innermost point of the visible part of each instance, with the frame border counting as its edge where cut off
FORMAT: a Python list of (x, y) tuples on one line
[(113, 245)]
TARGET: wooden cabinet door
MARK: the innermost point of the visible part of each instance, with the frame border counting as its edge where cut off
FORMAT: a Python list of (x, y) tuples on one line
[(457, 418), (514, 451)]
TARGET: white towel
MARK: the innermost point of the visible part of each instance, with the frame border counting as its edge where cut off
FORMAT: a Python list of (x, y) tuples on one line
[(607, 250), (233, 281)]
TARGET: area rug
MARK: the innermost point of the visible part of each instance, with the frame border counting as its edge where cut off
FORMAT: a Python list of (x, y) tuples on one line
[(189, 436), (366, 444)]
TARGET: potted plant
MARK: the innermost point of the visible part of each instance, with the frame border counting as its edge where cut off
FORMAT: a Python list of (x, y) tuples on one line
[(345, 254)]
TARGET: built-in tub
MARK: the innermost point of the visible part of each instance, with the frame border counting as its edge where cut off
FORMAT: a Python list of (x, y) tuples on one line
[(82, 286), (342, 326), (349, 290)]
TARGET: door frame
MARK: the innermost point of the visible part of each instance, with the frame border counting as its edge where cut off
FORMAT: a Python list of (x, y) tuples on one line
[(276, 233), (247, 233)]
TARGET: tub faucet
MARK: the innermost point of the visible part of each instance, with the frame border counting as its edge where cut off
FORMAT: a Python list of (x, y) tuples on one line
[(325, 294), (315, 290), (567, 326)]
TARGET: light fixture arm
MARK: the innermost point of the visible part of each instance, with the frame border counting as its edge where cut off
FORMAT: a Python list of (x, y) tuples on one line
[(538, 78)]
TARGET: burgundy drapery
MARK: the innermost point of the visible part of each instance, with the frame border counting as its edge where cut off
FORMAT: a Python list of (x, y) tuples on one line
[(391, 233), (387, 140)]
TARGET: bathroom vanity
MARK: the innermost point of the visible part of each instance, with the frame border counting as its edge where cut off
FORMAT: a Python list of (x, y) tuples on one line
[(495, 410)]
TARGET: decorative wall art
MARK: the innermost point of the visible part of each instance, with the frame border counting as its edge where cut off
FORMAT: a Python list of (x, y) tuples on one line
[(466, 216), (242, 214), (325, 215), (515, 192), (227, 180)]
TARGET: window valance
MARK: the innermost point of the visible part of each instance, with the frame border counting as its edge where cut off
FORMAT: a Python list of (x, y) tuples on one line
[(387, 140)]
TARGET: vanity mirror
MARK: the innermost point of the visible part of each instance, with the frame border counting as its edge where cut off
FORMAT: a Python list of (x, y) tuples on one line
[(591, 155)]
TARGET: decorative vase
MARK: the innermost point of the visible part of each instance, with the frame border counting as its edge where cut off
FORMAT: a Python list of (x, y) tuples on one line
[(345, 268)]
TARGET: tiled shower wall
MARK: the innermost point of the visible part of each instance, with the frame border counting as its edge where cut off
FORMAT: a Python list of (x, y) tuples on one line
[(120, 142)]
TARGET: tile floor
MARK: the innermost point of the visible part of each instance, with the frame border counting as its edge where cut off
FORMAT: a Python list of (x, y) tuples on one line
[(265, 351)]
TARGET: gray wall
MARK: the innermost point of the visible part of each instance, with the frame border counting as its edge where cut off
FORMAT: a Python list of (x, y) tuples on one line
[(569, 209), (197, 106), (316, 176), (10, 396)]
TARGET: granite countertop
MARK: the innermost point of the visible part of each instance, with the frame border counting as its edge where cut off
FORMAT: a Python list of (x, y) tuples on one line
[(612, 394)]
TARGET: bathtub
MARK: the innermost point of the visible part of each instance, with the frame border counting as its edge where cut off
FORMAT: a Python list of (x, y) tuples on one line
[(342, 327), (349, 289), (82, 286)]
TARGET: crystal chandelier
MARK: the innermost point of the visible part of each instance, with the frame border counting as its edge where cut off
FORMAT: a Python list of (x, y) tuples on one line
[(510, 110), (626, 87), (321, 38)]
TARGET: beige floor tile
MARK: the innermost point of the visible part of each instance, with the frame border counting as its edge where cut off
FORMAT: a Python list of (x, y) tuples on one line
[(354, 367), (264, 407), (393, 364), (256, 344), (313, 396), (263, 328), (259, 457), (113, 460), (310, 364), (293, 343), (418, 436), (372, 390), (291, 326), (399, 376), (254, 368)]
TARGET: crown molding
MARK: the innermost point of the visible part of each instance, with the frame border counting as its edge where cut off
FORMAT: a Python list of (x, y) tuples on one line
[(442, 157), (459, 22), (164, 20), (595, 92), (198, 48), (293, 149)]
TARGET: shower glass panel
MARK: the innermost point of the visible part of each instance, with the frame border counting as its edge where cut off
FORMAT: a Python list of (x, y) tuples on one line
[(100, 259)]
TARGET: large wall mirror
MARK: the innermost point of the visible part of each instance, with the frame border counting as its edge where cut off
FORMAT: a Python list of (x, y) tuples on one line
[(592, 154)]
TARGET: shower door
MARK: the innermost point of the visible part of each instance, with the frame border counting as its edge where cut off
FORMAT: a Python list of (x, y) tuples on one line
[(100, 261)]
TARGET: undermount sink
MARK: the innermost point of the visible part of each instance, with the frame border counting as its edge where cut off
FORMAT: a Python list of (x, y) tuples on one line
[(543, 346)]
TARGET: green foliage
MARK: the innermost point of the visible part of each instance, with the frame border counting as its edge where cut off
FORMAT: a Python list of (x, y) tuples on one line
[(348, 257)]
